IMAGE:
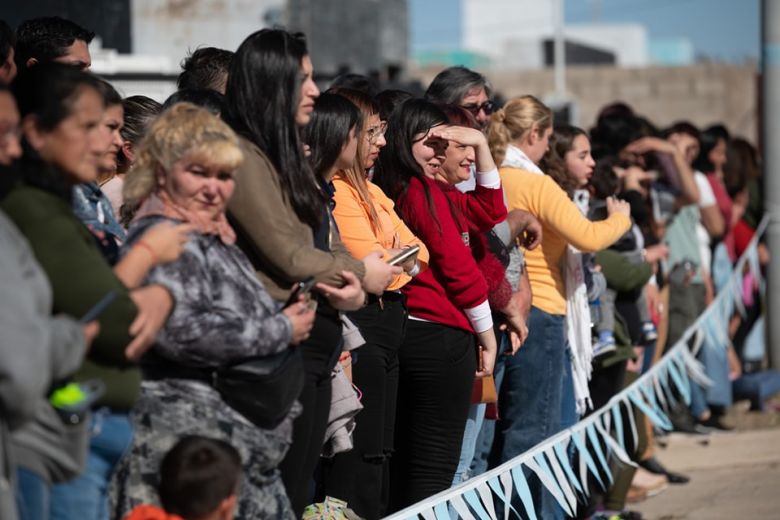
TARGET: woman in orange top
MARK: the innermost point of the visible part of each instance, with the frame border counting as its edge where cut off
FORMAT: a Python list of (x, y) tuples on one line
[(367, 222)]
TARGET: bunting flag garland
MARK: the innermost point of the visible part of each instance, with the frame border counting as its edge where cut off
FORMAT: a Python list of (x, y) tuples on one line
[(600, 437)]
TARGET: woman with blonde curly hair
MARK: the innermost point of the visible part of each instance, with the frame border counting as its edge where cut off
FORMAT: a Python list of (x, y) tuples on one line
[(223, 316)]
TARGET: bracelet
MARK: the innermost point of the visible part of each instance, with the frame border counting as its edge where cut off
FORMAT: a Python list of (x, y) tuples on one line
[(414, 271), (148, 249)]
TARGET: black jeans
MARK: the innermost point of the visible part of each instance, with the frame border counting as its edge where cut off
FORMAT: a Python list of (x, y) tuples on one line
[(361, 476), (437, 366), (320, 354)]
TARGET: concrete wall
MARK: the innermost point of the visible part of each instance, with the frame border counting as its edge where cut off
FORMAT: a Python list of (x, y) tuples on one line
[(703, 94)]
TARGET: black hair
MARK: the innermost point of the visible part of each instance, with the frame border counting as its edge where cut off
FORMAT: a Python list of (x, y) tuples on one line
[(209, 99), (262, 94), (683, 127), (390, 99), (396, 165), (742, 165), (355, 82), (46, 39), (139, 112), (205, 68), (197, 474), (7, 41), (613, 132), (708, 140), (48, 90), (327, 132), (109, 94), (451, 85)]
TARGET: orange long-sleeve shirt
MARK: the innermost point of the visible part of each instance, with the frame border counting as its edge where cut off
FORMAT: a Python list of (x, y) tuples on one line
[(562, 224), (357, 234)]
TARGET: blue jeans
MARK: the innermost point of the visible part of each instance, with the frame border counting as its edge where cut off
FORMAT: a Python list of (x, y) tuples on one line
[(32, 495), (531, 397), (86, 497), (473, 427), (484, 441), (569, 415)]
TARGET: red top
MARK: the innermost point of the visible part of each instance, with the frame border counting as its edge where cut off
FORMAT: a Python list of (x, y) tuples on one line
[(453, 281)]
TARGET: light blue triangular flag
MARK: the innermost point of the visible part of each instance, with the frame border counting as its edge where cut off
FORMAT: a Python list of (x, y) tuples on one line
[(619, 452), (579, 441), (473, 500), (562, 480), (539, 466), (461, 508), (503, 491), (441, 511), (521, 485), (487, 500), (639, 402), (594, 441), (618, 417), (682, 386), (563, 457), (649, 393)]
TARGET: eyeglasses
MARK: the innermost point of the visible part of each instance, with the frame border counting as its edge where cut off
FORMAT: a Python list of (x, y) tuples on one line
[(375, 132), (487, 107)]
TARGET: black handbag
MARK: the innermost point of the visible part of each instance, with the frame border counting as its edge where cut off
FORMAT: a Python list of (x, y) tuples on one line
[(262, 389)]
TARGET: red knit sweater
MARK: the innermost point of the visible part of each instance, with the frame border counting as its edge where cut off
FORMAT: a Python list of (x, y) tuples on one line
[(453, 281)]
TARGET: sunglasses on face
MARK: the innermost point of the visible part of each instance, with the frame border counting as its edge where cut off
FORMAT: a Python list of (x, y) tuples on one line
[(487, 107)]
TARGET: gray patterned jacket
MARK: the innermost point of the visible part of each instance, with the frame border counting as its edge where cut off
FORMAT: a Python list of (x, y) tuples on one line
[(222, 313)]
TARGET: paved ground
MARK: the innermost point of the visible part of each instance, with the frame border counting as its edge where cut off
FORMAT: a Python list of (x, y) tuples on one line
[(735, 476)]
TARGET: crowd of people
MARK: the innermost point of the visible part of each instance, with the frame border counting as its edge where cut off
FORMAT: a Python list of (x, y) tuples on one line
[(260, 300)]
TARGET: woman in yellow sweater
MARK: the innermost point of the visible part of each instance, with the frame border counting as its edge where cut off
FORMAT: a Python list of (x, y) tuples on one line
[(530, 398), (367, 223)]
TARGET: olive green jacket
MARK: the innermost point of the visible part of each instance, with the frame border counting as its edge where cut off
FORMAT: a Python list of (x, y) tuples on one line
[(280, 246), (79, 277)]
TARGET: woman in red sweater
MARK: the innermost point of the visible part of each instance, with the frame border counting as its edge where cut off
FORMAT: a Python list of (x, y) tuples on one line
[(447, 304)]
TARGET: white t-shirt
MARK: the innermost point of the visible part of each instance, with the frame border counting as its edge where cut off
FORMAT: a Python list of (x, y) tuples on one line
[(706, 200)]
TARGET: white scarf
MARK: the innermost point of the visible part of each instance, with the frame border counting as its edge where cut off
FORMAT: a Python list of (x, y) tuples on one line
[(516, 158), (578, 321)]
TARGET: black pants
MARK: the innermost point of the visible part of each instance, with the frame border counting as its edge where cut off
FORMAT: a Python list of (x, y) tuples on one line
[(361, 475), (437, 365), (320, 354)]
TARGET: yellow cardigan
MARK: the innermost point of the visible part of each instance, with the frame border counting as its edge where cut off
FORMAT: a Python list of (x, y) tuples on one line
[(357, 234), (562, 224)]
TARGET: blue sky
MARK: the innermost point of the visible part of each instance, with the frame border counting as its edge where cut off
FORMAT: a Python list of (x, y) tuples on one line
[(726, 30)]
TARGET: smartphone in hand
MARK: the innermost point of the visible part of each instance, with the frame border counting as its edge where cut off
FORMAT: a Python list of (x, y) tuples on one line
[(97, 309), (301, 288), (404, 255)]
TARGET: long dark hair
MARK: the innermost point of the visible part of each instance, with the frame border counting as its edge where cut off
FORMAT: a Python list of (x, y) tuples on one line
[(262, 94), (327, 132), (708, 140), (396, 165)]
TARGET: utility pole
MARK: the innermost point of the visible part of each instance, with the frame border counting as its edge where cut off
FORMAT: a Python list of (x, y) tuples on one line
[(559, 51), (770, 73)]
